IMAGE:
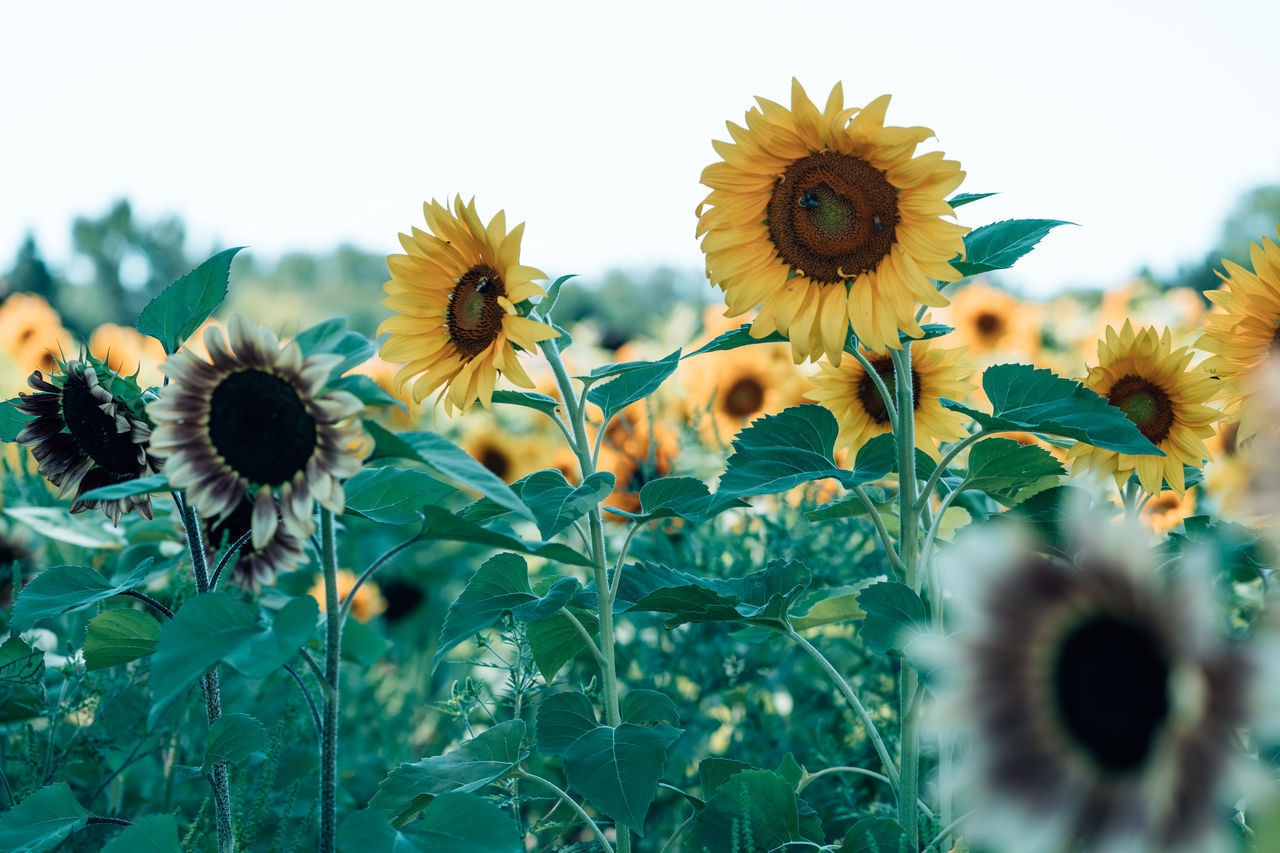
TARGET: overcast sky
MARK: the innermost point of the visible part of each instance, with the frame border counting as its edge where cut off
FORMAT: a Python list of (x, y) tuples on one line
[(300, 125)]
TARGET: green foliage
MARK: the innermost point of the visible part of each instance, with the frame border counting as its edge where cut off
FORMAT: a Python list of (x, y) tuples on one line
[(758, 805), (62, 589), (894, 612), (618, 769), (999, 245), (393, 495), (527, 399), (875, 835), (19, 663), (1011, 472), (119, 636), (233, 738), (734, 338), (931, 331), (556, 504), (451, 462), (41, 821), (628, 382), (678, 497), (562, 719), (442, 525), (960, 199), (157, 833), (332, 337), (451, 823), (11, 420), (178, 310), (555, 641)]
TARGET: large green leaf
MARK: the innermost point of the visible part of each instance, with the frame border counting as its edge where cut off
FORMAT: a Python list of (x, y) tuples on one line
[(442, 525), (629, 382), (275, 645), (648, 707), (178, 310), (54, 522), (20, 663), (233, 738), (42, 820), (119, 636), (393, 495), (451, 823), (677, 497), (468, 767), (758, 801), (11, 420), (734, 338), (875, 835), (1029, 399), (155, 833), (500, 585), (1009, 471), (894, 614), (999, 245), (140, 486), (62, 589), (562, 719), (332, 337), (618, 769), (555, 641), (556, 503), (528, 399), (829, 607), (366, 390)]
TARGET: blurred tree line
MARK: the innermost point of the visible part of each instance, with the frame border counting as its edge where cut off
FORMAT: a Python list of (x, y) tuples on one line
[(1255, 215)]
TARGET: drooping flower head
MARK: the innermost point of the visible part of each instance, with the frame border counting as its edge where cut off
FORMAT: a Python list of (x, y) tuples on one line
[(88, 429), (1142, 375), (825, 218), (252, 568), (455, 294), (256, 423)]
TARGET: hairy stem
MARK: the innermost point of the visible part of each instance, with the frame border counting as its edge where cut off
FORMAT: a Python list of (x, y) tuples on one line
[(332, 660), (571, 803)]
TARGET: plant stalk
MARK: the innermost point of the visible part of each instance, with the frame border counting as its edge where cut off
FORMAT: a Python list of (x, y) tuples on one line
[(332, 661)]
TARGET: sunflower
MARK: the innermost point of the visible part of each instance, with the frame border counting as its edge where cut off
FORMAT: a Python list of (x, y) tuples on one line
[(128, 352), (455, 294), (728, 389), (636, 449), (1101, 712), (1244, 329), (1140, 374), (851, 395), (825, 219), (254, 567), (253, 424), (1168, 509), (507, 456), (989, 320), (86, 430), (367, 603), (31, 331)]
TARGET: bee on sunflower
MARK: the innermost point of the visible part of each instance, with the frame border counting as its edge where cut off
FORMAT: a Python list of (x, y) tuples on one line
[(1141, 374), (825, 218), (455, 294), (88, 428)]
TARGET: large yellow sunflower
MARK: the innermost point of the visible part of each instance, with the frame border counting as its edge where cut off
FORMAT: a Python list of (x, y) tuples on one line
[(825, 219), (455, 296), (851, 395), (1143, 376), (1244, 329)]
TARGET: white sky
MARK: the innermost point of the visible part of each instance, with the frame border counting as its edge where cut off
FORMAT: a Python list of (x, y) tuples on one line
[(299, 125)]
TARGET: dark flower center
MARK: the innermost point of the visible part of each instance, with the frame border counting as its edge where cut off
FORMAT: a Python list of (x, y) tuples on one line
[(94, 430), (744, 397), (1111, 690), (990, 326), (1230, 435), (1144, 403), (475, 317), (495, 460), (833, 216), (261, 427), (869, 395)]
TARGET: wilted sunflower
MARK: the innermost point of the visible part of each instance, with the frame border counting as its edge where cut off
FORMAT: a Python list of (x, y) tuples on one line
[(1101, 713), (851, 395), (455, 295), (254, 424), (1244, 330), (88, 430), (253, 567), (825, 219), (1140, 374)]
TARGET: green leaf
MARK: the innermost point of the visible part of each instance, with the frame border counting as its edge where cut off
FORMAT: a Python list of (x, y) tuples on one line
[(42, 820), (233, 738), (275, 645), (646, 707), (53, 522), (1009, 471), (155, 833), (62, 589), (894, 614), (1051, 513), (500, 585), (875, 835), (562, 719), (393, 495), (20, 663), (141, 486), (790, 770), (1027, 399), (451, 823), (455, 464), (758, 800), (11, 420), (178, 310), (548, 303), (388, 445), (527, 399), (931, 331), (734, 338), (618, 769), (851, 506), (715, 771), (332, 337), (555, 641), (832, 606), (960, 199), (999, 245), (442, 525), (362, 644), (677, 497), (468, 767), (632, 381), (364, 389), (119, 636), (556, 503), (202, 631)]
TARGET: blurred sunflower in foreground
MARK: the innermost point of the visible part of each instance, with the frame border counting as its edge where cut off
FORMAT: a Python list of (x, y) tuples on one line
[(455, 294), (825, 218), (1142, 375)]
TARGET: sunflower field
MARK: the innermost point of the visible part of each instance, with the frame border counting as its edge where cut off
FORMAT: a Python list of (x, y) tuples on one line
[(870, 556)]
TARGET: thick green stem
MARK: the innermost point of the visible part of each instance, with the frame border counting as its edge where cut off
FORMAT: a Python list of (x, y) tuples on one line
[(332, 660)]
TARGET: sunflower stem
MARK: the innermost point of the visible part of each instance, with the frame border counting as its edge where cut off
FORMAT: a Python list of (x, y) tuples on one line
[(210, 682), (332, 660), (521, 773), (894, 560), (890, 405)]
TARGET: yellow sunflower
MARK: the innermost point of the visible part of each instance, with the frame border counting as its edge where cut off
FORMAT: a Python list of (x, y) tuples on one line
[(508, 456), (824, 218), (988, 320), (1244, 329), (1143, 376), (31, 332), (128, 352), (850, 393), (1167, 510), (455, 295), (731, 388)]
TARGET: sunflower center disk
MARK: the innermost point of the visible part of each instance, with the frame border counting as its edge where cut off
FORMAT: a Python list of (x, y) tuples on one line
[(95, 431), (1145, 404), (1111, 690), (833, 216), (869, 395), (498, 463), (744, 397), (474, 317), (259, 425), (989, 326)]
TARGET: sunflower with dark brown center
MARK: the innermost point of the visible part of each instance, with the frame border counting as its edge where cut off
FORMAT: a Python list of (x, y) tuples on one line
[(727, 390), (1143, 376), (990, 321), (256, 424), (252, 567), (88, 430), (827, 218), (851, 394), (455, 295)]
